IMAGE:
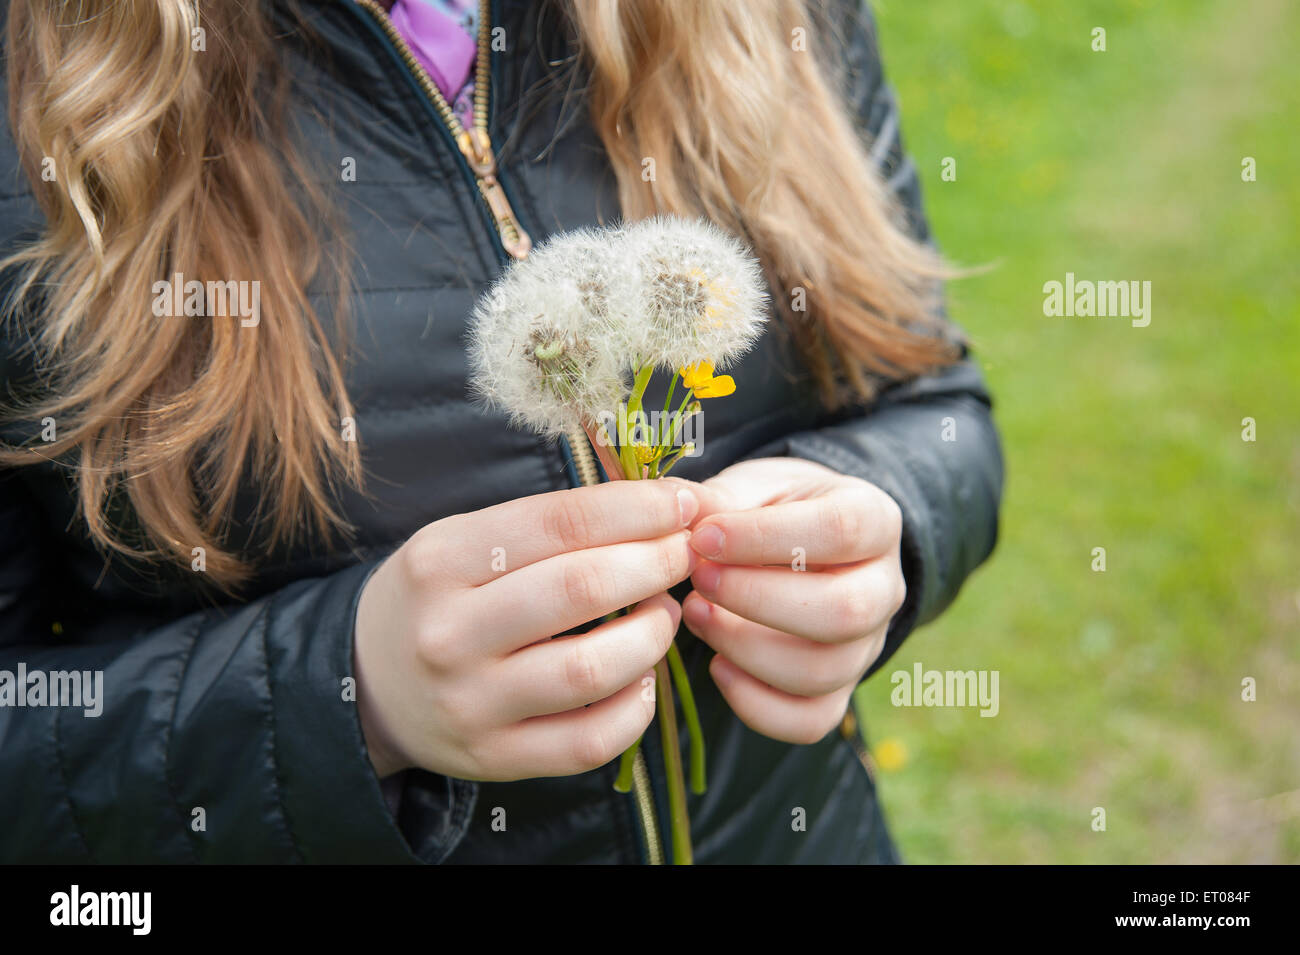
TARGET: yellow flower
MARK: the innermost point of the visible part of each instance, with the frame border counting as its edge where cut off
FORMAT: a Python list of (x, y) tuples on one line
[(718, 387), (891, 755), (700, 379), (644, 453)]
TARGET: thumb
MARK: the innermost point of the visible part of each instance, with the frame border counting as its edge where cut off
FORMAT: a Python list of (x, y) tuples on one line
[(712, 498), (763, 481)]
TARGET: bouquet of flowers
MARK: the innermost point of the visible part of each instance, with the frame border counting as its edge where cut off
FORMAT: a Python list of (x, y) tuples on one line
[(570, 338)]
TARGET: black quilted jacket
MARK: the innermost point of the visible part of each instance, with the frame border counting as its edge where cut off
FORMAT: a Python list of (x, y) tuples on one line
[(237, 709)]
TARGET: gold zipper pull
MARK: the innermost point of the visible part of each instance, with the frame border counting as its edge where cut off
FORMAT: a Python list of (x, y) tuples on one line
[(515, 240), (476, 146), (474, 143)]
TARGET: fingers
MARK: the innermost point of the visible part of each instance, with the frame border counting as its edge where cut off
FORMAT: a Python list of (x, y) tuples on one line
[(847, 524), (574, 742), (775, 714), (476, 548), (831, 606), (564, 674), (568, 590), (763, 481), (792, 664)]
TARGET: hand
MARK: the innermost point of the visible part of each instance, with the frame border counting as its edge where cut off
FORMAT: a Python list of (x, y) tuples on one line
[(792, 644), (455, 670)]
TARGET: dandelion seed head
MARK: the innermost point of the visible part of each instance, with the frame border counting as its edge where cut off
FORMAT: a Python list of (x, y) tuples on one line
[(555, 341), (538, 342), (698, 294)]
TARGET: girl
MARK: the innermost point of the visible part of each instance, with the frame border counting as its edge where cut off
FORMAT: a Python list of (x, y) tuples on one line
[(316, 579)]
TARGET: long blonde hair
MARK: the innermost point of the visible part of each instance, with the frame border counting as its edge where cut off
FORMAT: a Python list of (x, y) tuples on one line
[(169, 160), (738, 107)]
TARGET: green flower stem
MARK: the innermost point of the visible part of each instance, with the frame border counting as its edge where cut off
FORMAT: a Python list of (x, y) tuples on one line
[(671, 667), (693, 728), (657, 432), (638, 389), (668, 402), (675, 422), (679, 821), (626, 453), (623, 783), (665, 461), (627, 460), (669, 462)]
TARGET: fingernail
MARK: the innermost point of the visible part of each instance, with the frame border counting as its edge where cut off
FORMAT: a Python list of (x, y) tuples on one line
[(695, 610), (708, 540), (675, 610), (688, 505), (706, 578)]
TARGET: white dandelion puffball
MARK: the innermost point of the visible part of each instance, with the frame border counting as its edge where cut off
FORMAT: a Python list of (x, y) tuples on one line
[(556, 340), (540, 340), (699, 293)]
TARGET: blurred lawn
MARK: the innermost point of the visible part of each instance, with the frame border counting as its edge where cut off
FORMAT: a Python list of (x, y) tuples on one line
[(1119, 689)]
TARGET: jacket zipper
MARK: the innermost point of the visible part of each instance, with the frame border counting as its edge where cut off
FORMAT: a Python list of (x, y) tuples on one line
[(475, 146), (850, 732)]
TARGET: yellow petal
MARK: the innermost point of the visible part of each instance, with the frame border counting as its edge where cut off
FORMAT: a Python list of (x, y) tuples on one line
[(644, 453), (697, 374), (718, 387)]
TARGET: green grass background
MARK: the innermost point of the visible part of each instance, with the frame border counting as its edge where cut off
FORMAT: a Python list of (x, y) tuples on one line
[(1122, 689)]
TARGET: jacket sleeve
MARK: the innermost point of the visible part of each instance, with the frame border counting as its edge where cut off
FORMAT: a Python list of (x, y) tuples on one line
[(929, 442), (222, 736)]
